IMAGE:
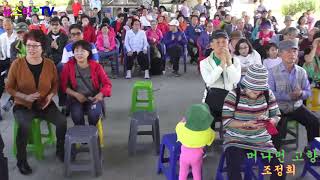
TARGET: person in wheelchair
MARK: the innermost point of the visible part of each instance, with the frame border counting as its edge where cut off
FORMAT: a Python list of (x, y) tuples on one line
[(86, 83)]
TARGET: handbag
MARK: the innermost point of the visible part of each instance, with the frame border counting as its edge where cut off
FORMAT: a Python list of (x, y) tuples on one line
[(215, 100)]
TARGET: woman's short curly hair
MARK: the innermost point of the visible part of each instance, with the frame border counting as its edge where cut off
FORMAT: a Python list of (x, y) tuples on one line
[(36, 35)]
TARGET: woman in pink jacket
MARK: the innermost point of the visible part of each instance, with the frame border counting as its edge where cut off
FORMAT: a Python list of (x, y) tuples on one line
[(106, 45), (154, 37)]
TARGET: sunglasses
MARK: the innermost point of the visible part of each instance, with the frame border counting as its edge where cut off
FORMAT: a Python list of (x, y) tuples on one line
[(54, 24)]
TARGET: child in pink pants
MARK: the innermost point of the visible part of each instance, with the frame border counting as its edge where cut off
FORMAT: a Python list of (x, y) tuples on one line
[(194, 133)]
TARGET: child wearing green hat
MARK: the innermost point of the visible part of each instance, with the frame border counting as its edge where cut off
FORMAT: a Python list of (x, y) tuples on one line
[(194, 133)]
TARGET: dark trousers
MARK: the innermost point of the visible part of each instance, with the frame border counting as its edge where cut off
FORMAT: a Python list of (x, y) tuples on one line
[(118, 36), (113, 54), (24, 117), (61, 95), (235, 157), (1, 146), (193, 52), (305, 117), (78, 110), (142, 60), (75, 19), (175, 53), (3, 162), (4, 66)]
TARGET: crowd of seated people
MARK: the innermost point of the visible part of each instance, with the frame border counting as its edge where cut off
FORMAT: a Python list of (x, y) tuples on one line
[(236, 59)]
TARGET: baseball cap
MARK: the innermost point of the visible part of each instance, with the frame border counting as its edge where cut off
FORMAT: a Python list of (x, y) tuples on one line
[(288, 44), (220, 34), (21, 26), (174, 22)]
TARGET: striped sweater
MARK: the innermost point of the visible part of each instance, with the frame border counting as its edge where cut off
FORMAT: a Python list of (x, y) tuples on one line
[(246, 110)]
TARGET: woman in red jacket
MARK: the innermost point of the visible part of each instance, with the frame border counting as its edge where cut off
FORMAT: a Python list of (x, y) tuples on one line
[(86, 82), (163, 25), (89, 32)]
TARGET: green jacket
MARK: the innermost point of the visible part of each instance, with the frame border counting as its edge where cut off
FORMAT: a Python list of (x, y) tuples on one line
[(311, 69), (17, 50)]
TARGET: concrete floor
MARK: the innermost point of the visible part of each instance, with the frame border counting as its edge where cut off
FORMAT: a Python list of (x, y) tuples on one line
[(172, 96)]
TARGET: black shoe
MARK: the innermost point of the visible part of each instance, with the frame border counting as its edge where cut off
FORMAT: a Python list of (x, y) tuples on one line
[(24, 167), (65, 111), (176, 73), (60, 156), (113, 76), (0, 116)]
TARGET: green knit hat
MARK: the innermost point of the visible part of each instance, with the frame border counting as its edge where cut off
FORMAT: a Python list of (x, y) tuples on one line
[(198, 117)]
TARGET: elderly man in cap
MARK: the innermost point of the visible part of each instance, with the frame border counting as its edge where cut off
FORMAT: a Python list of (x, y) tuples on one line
[(17, 50), (289, 83), (289, 34), (288, 22), (220, 72), (175, 41)]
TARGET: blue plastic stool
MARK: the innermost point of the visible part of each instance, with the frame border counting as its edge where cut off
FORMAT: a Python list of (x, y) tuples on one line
[(247, 168), (169, 141), (315, 144)]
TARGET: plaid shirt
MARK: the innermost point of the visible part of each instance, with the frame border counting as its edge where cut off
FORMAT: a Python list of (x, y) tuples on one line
[(282, 83)]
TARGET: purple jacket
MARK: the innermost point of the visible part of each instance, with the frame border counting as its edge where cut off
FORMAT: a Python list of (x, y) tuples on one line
[(167, 39), (191, 32), (204, 40)]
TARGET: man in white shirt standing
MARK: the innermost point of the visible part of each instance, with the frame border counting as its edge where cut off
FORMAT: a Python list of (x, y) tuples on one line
[(6, 39), (136, 45)]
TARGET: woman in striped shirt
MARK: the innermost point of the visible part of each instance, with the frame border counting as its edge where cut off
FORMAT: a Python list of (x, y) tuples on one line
[(248, 112)]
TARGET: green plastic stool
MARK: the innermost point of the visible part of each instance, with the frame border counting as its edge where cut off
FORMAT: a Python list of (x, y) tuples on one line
[(148, 103), (293, 130), (35, 143)]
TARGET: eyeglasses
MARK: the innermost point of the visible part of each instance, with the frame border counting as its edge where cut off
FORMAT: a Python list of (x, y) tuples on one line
[(76, 34), (246, 47), (33, 46), (54, 24)]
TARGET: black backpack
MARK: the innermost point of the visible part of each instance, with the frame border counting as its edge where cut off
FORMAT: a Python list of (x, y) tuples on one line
[(238, 91)]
